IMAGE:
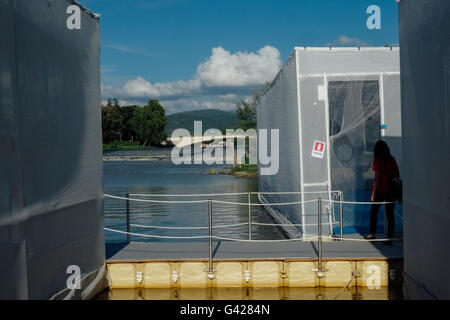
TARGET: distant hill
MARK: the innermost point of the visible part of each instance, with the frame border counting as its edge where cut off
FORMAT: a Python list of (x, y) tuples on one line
[(211, 118)]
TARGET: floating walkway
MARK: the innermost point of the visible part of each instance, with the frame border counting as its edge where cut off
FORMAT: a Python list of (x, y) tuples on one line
[(254, 264), (310, 262)]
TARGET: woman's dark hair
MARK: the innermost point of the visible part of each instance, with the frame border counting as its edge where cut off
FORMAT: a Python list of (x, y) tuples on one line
[(382, 151)]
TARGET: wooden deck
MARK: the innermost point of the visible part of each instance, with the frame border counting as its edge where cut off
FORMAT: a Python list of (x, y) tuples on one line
[(224, 250)]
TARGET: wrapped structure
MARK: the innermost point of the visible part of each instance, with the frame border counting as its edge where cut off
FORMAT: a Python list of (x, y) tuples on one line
[(330, 105), (51, 190), (425, 65)]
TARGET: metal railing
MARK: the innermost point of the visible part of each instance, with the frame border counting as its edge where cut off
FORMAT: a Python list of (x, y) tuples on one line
[(249, 204), (320, 270)]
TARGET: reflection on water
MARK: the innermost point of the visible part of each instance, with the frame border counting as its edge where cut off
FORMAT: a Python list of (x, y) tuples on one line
[(161, 176), (282, 293)]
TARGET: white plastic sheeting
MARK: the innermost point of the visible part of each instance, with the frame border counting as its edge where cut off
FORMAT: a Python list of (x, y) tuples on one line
[(345, 99), (51, 193), (425, 65)]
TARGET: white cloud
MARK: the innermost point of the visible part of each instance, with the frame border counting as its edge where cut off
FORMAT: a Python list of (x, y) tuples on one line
[(127, 49), (222, 70), (228, 97), (141, 88), (344, 40)]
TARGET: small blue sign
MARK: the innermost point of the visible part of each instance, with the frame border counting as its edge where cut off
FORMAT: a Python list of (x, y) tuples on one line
[(383, 126)]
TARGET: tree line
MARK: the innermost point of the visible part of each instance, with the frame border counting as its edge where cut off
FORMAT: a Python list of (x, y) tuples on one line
[(147, 124), (134, 123)]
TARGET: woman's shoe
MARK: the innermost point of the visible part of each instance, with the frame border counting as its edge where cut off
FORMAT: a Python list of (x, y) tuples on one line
[(370, 237)]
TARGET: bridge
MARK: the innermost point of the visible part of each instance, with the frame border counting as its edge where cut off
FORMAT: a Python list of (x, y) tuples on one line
[(184, 141)]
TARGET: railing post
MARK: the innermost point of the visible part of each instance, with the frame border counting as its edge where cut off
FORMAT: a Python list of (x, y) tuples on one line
[(128, 217), (249, 217), (210, 268), (341, 213), (320, 271), (319, 231)]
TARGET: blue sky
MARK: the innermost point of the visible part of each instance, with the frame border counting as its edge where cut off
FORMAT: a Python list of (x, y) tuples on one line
[(196, 54)]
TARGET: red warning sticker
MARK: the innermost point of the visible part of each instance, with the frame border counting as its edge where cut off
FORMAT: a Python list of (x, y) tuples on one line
[(318, 149)]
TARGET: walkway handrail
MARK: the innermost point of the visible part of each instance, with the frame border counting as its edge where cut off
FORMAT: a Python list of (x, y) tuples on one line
[(245, 203), (359, 202), (190, 228), (305, 239), (211, 273), (297, 192), (189, 195), (154, 201), (228, 226), (206, 201), (153, 236), (249, 204)]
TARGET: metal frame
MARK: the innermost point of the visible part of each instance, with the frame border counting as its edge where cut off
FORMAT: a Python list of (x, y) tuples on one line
[(327, 133), (127, 204), (381, 94), (300, 136), (211, 271)]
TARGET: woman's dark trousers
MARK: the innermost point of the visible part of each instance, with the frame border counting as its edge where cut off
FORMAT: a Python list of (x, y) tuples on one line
[(383, 197)]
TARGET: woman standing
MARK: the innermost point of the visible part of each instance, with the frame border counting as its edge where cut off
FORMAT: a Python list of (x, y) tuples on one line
[(386, 169)]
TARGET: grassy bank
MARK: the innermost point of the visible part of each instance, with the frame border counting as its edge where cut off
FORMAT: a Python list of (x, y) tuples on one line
[(124, 145), (243, 171), (249, 168)]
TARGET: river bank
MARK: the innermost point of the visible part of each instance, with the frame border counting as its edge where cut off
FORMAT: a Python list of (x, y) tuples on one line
[(244, 171), (164, 155)]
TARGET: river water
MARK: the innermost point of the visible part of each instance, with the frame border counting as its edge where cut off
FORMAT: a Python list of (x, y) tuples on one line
[(152, 172)]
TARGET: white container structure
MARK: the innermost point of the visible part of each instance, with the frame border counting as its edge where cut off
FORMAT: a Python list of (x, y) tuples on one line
[(330, 105)]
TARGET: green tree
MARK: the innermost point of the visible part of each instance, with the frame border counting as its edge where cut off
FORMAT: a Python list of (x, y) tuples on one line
[(149, 123), (246, 111), (112, 124), (113, 102), (128, 133)]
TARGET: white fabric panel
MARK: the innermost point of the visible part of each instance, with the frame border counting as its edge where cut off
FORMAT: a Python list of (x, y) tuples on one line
[(425, 67), (313, 128), (51, 193), (393, 116), (348, 60), (278, 110)]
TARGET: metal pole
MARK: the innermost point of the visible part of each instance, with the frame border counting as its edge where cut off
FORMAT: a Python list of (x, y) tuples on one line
[(210, 270), (128, 217), (319, 229), (249, 217), (341, 213), (320, 271)]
